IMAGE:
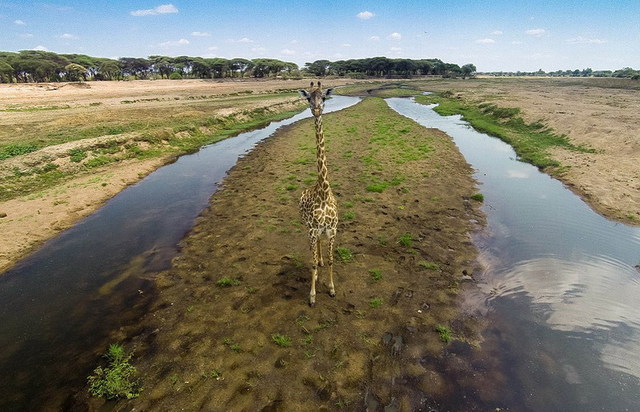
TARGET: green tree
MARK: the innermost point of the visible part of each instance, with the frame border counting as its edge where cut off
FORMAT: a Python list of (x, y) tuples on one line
[(468, 70), (75, 72)]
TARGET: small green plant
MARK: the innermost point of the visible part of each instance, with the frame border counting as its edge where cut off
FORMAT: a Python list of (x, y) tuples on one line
[(115, 380), (233, 346), (77, 155), (344, 255), (478, 197), (406, 240), (281, 340), (225, 282), (376, 302), (376, 274), (429, 265), (349, 215), (444, 332)]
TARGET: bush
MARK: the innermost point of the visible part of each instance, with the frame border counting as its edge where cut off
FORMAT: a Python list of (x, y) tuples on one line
[(175, 76), (115, 380)]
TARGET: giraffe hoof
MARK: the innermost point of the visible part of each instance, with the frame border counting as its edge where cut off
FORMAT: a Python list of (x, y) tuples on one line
[(312, 304), (332, 293)]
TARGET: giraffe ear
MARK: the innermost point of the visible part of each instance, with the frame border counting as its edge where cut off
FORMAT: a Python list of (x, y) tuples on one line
[(304, 94)]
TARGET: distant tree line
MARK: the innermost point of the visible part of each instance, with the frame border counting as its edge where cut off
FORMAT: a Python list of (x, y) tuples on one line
[(627, 73), (44, 66)]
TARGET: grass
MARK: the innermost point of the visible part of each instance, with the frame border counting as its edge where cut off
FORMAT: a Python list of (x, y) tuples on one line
[(530, 140), (344, 254), (375, 302), (478, 197), (281, 340), (444, 333), (429, 265), (226, 282), (117, 379), (376, 274), (406, 240)]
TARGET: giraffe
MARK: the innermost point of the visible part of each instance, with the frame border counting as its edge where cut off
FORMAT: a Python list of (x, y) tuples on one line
[(318, 206)]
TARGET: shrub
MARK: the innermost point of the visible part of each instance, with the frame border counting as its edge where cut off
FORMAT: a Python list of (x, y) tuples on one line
[(115, 380)]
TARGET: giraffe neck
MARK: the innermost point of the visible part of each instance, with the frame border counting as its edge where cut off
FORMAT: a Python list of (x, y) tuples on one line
[(323, 180)]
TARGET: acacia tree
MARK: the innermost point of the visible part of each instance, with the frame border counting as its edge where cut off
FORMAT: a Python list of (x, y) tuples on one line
[(467, 70), (75, 72)]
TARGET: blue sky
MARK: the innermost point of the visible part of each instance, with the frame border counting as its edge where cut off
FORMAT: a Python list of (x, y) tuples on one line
[(494, 35)]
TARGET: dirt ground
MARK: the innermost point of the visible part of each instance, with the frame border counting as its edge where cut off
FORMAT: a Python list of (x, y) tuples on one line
[(242, 278), (598, 113)]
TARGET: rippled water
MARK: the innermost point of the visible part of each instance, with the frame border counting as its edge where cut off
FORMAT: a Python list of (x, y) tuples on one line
[(561, 293), (59, 305)]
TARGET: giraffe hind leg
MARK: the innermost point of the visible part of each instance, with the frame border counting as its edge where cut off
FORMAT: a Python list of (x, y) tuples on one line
[(332, 289), (320, 261), (314, 271)]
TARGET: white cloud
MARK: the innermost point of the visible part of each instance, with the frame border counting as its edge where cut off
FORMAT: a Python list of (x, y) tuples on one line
[(395, 36), (497, 33), (345, 45), (516, 42), (485, 41), (40, 48), (19, 22), (374, 38), (584, 40), (200, 34), (162, 9), (174, 43), (287, 52), (68, 36), (365, 15), (536, 32), (242, 40)]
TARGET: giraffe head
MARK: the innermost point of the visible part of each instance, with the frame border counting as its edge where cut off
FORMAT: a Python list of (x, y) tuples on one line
[(316, 97)]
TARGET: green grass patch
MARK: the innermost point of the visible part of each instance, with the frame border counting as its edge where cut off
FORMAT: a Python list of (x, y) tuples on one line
[(478, 197), (406, 240), (12, 150), (281, 340), (226, 282), (344, 254), (530, 140), (376, 274), (429, 265), (375, 302), (444, 333), (117, 379)]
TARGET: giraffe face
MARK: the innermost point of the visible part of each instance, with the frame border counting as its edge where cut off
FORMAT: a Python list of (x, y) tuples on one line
[(316, 97)]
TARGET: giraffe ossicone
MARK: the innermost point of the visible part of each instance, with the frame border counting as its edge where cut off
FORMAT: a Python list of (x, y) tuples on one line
[(318, 207)]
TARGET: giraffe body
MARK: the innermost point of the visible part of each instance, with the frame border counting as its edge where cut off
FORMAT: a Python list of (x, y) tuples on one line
[(318, 207)]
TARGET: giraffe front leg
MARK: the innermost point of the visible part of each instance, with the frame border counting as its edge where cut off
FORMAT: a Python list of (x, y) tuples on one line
[(314, 271), (332, 289)]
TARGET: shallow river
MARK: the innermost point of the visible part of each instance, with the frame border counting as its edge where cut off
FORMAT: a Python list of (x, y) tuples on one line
[(59, 306), (560, 293)]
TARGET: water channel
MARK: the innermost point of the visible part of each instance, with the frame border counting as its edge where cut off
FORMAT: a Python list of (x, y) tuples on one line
[(59, 305), (560, 291)]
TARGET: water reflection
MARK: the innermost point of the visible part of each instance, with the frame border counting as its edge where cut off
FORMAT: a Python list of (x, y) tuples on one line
[(560, 289)]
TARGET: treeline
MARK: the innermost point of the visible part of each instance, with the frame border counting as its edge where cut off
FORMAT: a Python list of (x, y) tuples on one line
[(627, 73), (44, 66)]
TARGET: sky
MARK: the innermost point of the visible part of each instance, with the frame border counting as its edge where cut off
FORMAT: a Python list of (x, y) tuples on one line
[(501, 35)]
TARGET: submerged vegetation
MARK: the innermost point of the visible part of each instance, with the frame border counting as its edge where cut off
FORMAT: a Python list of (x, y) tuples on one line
[(531, 141)]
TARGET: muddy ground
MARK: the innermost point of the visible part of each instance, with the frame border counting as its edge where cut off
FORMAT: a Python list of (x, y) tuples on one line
[(243, 278)]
